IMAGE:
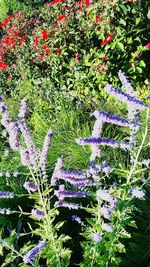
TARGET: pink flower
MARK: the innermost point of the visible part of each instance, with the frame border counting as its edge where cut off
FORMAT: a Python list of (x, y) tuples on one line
[(147, 46)]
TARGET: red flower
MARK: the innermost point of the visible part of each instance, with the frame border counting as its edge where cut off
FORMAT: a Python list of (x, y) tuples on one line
[(44, 34), (104, 42), (98, 19), (61, 17), (3, 65), (58, 51), (107, 40), (54, 26), (147, 46), (6, 21), (88, 2), (36, 41), (56, 1), (104, 58), (110, 36), (77, 55), (103, 69), (46, 49), (16, 34)]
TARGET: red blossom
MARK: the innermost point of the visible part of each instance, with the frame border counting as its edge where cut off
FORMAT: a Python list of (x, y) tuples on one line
[(88, 2), (104, 58), (61, 17), (107, 40), (36, 41), (44, 34), (58, 51), (103, 69), (147, 46), (56, 1), (98, 19), (104, 42), (54, 26), (78, 55), (3, 65)]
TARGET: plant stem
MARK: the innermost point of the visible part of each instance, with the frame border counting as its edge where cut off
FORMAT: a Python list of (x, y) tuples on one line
[(140, 148), (47, 219)]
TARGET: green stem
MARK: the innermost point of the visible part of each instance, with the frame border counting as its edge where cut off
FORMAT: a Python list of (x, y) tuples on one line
[(139, 151), (47, 219)]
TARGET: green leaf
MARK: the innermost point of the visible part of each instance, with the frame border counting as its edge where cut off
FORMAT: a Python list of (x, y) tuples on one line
[(137, 20), (142, 63), (122, 21), (148, 14), (120, 46)]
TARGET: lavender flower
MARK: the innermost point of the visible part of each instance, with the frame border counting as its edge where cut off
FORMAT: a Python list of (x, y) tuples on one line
[(6, 194), (127, 85), (70, 174), (77, 219), (44, 153), (24, 110), (137, 193), (103, 195), (29, 257), (105, 168), (68, 205), (98, 127), (30, 186), (125, 98), (103, 141), (96, 237), (106, 117), (146, 162), (106, 227), (25, 160), (13, 135), (5, 120), (28, 141), (105, 211), (62, 193), (95, 152), (58, 166), (39, 214)]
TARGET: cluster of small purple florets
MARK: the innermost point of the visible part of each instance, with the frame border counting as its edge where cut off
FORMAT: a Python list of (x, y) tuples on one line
[(29, 257)]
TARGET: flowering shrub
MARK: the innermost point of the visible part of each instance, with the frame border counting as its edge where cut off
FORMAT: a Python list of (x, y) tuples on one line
[(109, 205), (75, 41)]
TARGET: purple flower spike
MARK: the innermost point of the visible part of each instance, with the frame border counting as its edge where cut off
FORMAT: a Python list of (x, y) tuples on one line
[(46, 146), (126, 98), (14, 135), (137, 193), (62, 193), (70, 174), (127, 85), (39, 214), (29, 257), (25, 160), (24, 111), (68, 205), (58, 167), (106, 117), (30, 186), (6, 194), (106, 227), (103, 141)]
